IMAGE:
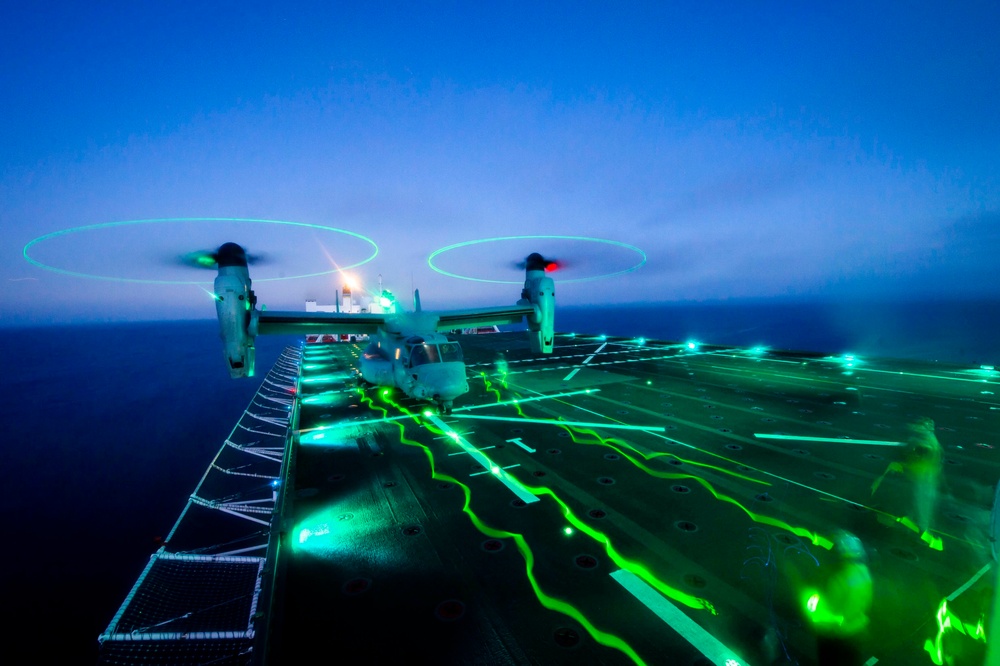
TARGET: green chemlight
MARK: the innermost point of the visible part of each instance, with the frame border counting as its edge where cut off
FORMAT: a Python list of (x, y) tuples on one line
[(818, 613), (947, 620), (181, 220), (568, 531), (629, 565), (551, 603), (601, 241), (816, 539)]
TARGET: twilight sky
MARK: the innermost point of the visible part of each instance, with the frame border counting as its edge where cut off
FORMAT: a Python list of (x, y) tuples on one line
[(773, 150)]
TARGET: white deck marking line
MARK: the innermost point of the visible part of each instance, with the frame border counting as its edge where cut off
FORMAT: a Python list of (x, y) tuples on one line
[(519, 401), (796, 438), (487, 471), (710, 646), (517, 440), (585, 362), (462, 453), (970, 582), (519, 419), (513, 484)]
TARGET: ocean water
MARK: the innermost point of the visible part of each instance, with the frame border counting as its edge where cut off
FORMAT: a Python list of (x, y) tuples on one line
[(946, 331), (107, 430)]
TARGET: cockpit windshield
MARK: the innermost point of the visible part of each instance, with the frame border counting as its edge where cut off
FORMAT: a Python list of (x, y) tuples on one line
[(447, 352), (451, 352)]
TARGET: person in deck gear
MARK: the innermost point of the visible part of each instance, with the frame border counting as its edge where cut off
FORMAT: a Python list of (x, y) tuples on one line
[(921, 464), (838, 609)]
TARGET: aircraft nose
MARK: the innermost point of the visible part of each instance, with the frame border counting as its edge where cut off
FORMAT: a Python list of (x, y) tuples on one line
[(444, 381)]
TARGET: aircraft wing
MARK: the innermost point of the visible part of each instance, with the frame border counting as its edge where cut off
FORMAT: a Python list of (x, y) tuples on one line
[(278, 323), (512, 314)]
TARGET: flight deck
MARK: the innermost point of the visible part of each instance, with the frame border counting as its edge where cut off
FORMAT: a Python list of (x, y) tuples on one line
[(620, 501)]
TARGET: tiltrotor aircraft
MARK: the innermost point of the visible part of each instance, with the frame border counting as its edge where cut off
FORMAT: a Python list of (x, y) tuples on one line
[(407, 350)]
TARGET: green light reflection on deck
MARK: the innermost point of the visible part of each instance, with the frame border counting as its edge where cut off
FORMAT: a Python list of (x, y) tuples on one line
[(327, 379), (325, 399), (552, 603)]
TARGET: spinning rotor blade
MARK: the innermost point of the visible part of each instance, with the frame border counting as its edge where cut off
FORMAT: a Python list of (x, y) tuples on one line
[(536, 262), (229, 254)]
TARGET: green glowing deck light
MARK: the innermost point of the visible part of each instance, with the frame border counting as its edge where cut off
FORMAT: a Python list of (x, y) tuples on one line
[(182, 220), (326, 379), (324, 399), (601, 241), (568, 531), (812, 603), (428, 412), (692, 345), (987, 368)]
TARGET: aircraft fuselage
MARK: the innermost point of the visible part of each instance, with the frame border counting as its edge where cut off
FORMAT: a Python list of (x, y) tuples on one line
[(424, 365)]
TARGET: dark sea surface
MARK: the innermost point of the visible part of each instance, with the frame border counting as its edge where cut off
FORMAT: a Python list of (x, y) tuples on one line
[(108, 428)]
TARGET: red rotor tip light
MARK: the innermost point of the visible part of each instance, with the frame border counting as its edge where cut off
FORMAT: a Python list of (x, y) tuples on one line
[(551, 266)]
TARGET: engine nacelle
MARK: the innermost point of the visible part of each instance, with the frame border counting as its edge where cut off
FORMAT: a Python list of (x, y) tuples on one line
[(234, 304), (540, 291)]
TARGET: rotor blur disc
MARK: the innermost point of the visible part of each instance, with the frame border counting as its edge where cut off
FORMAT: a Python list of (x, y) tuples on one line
[(624, 258), (142, 243)]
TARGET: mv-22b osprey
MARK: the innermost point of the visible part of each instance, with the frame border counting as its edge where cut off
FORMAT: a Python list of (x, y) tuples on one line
[(407, 350)]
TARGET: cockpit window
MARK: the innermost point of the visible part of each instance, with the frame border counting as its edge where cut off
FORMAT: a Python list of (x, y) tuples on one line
[(447, 352), (451, 352), (424, 354)]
